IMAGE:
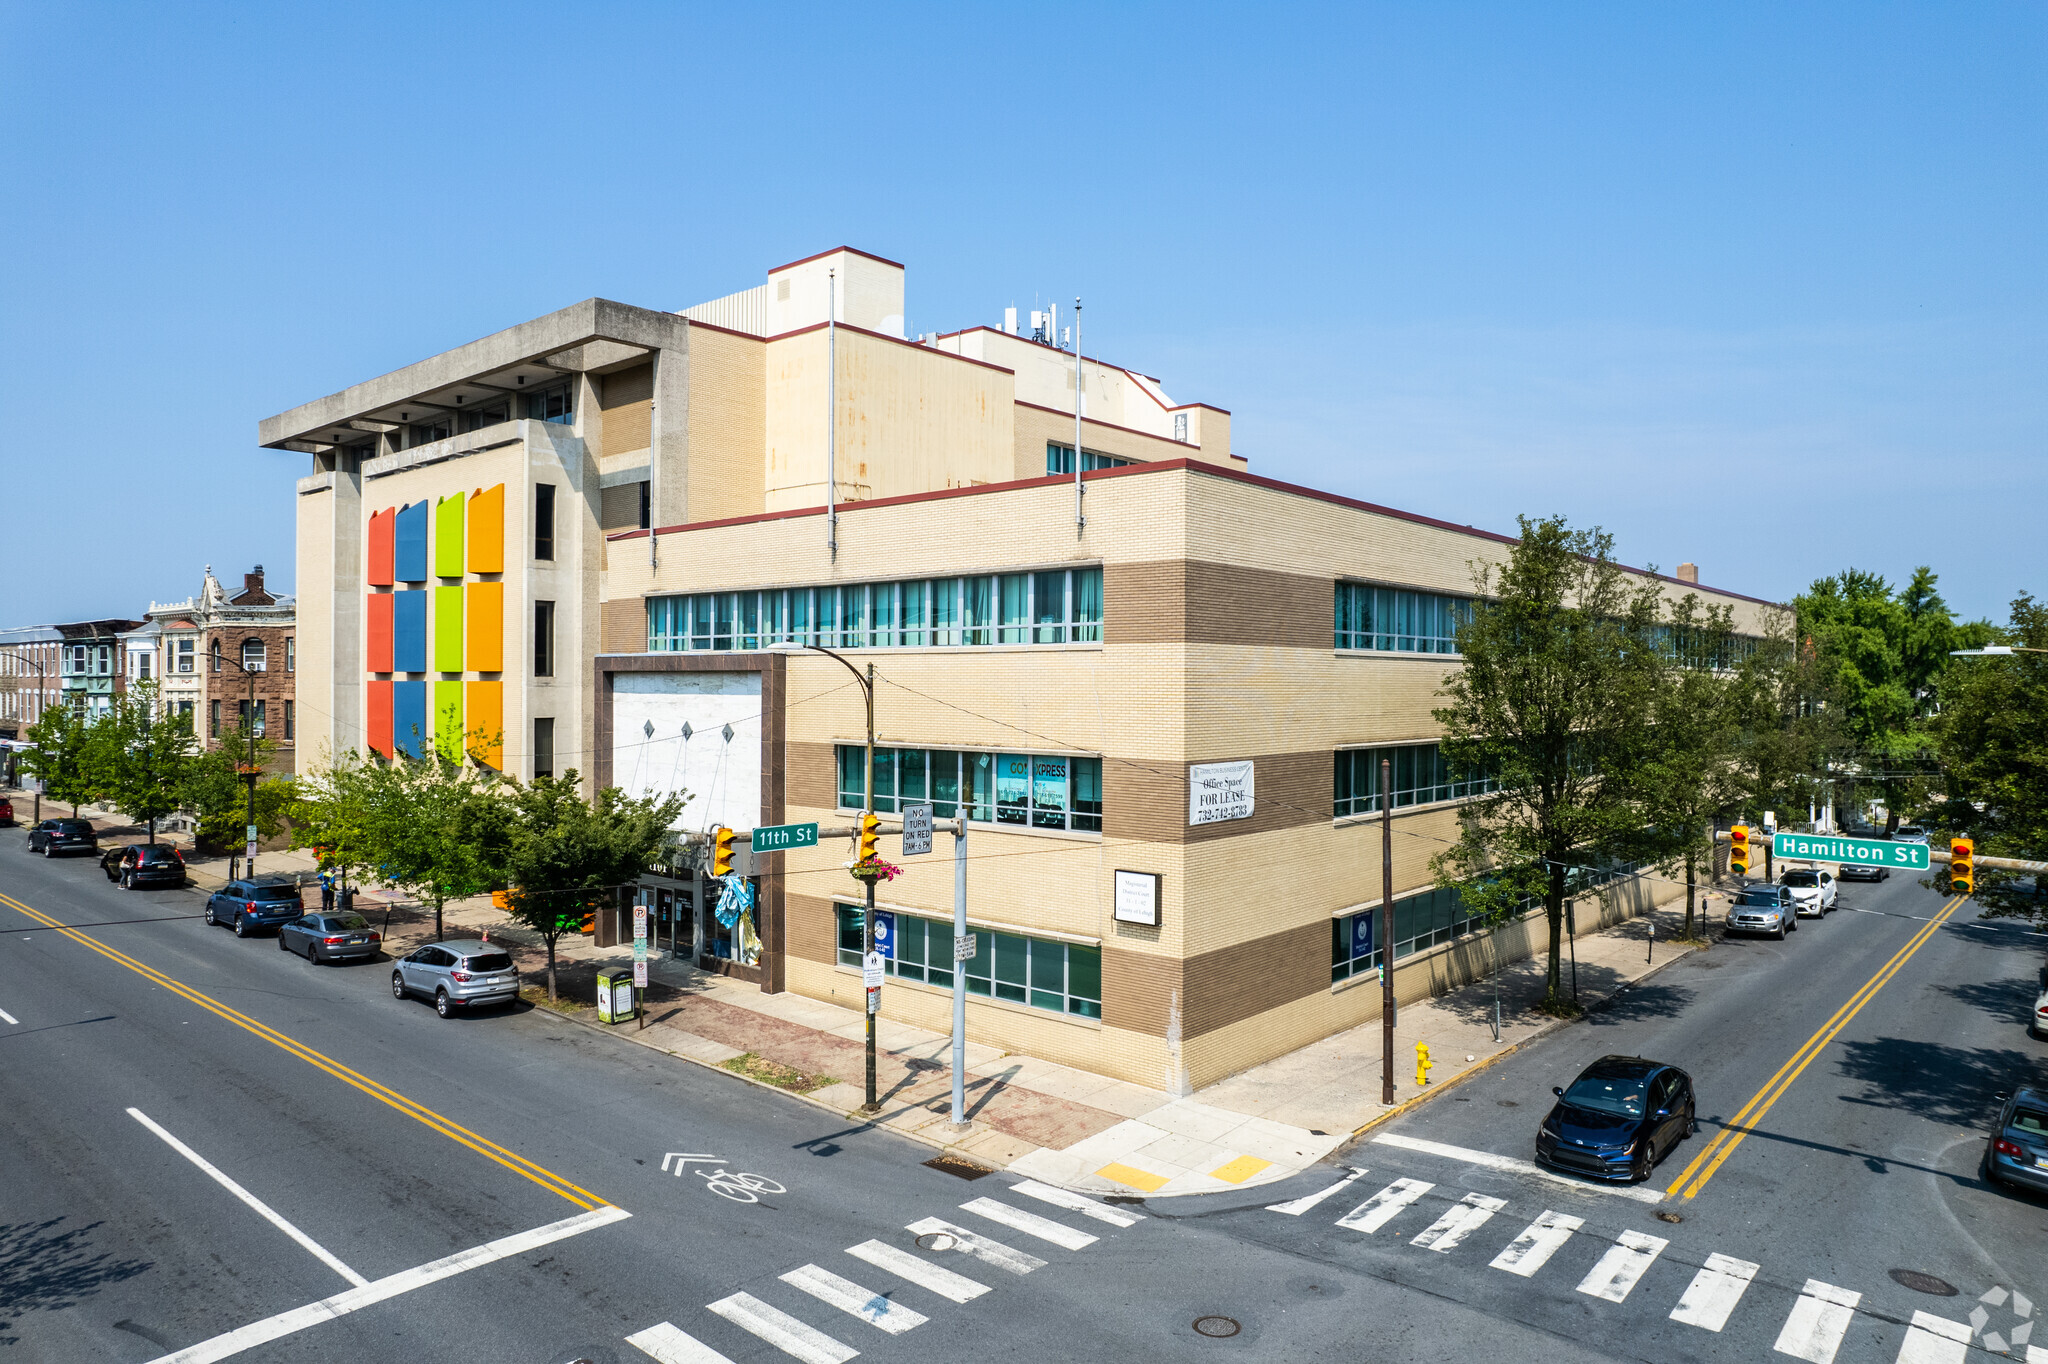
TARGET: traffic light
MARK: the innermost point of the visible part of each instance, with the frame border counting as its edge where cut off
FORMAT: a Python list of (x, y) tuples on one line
[(1962, 871), (870, 829), (721, 852), (1738, 849)]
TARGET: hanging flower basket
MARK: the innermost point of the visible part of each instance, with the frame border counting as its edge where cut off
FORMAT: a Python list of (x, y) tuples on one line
[(873, 870)]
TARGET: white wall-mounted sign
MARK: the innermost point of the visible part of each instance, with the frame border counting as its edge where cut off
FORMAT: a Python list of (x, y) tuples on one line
[(651, 756), (1219, 791), (1137, 897)]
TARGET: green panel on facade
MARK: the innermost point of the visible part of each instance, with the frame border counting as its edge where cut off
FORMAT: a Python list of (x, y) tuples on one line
[(448, 629), (448, 523), (448, 719)]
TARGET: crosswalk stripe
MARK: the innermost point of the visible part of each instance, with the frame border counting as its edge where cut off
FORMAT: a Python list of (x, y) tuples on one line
[(667, 1345), (1935, 1340), (1296, 1207), (923, 1273), (1468, 1215), (1378, 1210), (1539, 1241), (1818, 1321), (1625, 1262), (1081, 1203), (980, 1247), (848, 1296), (1714, 1291), (1030, 1223), (783, 1331)]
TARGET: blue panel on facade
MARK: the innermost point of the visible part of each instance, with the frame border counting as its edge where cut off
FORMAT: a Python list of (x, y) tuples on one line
[(409, 544), (409, 733), (409, 630)]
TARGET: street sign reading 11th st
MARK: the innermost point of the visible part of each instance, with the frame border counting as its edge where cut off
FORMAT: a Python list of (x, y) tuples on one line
[(1869, 852), (777, 837)]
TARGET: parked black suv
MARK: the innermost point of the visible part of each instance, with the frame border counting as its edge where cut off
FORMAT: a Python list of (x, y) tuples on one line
[(144, 864), (53, 836)]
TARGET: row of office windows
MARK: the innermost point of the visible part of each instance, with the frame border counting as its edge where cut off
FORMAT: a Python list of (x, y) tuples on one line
[(1398, 619), (556, 403), (1039, 972), (1037, 790), (1059, 606), (1421, 776), (1059, 459)]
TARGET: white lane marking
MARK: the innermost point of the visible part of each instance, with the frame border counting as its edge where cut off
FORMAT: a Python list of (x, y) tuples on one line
[(318, 1251), (783, 1331), (923, 1273), (1539, 1241), (1081, 1203), (10, 1018), (1301, 1205), (405, 1281), (2036, 1355), (1935, 1340), (1714, 1291), (1626, 1261), (667, 1345), (1379, 1210), (1030, 1223), (848, 1296), (1818, 1321), (980, 1247), (1466, 1216), (1510, 1165)]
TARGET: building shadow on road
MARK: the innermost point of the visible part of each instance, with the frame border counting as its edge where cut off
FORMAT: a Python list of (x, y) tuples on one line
[(1937, 1081), (45, 1267)]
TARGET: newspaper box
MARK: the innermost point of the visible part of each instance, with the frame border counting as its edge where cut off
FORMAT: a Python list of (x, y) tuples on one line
[(615, 996)]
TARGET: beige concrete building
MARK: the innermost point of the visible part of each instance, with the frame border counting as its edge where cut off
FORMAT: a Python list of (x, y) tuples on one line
[(1157, 685)]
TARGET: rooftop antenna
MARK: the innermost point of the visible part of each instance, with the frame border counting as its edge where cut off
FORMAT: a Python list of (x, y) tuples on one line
[(1080, 520)]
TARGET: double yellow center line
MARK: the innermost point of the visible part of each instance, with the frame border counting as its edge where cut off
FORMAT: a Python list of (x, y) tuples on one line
[(1695, 1176), (454, 1131)]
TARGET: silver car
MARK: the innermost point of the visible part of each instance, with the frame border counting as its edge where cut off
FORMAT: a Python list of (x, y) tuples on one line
[(330, 937), (457, 975), (1763, 909), (2018, 1150)]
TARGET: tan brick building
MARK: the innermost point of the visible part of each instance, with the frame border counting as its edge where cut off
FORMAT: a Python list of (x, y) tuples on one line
[(1157, 672)]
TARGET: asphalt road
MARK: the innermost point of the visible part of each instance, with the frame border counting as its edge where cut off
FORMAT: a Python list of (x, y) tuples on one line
[(388, 1140)]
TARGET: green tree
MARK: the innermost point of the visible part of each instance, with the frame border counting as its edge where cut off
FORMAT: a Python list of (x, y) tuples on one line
[(140, 758), (216, 788), (567, 856), (335, 811), (1554, 704), (59, 753), (434, 828), (1994, 756)]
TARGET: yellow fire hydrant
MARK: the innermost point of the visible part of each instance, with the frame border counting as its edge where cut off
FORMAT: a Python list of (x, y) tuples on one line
[(1421, 1063)]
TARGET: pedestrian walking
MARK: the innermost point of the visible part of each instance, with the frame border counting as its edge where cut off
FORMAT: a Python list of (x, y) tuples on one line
[(326, 891)]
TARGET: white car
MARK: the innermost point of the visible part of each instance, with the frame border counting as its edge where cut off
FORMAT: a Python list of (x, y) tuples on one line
[(2039, 1024), (1813, 892), (1909, 833)]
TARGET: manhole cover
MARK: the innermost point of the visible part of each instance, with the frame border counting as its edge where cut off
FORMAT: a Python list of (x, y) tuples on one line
[(1923, 1283), (936, 1240), (959, 1166), (1218, 1327)]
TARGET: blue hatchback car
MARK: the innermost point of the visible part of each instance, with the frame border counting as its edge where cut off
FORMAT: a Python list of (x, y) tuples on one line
[(2018, 1151), (253, 905)]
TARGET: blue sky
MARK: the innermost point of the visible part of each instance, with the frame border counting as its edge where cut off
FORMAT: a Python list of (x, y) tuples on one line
[(1757, 286)]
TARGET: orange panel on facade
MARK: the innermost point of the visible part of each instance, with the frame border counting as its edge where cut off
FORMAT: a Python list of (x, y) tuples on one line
[(377, 698), (378, 573), (485, 702), (486, 621), (487, 530), (378, 655)]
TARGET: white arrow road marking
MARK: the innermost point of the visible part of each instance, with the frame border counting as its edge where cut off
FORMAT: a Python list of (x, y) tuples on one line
[(1465, 1217), (783, 1331), (319, 1251), (1081, 1203), (1538, 1242), (923, 1273), (10, 1018), (848, 1296), (1819, 1320), (667, 1345), (1625, 1262), (1714, 1291), (1379, 1210), (1301, 1205), (1935, 1340), (391, 1286), (980, 1247), (683, 1158), (1509, 1165), (1030, 1223)]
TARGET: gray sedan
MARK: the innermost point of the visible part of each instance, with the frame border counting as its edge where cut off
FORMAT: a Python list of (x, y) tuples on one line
[(462, 973), (330, 937), (2018, 1150)]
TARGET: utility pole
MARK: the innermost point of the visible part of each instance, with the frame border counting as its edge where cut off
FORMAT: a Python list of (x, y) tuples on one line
[(959, 969), (832, 423), (1080, 520), (1386, 930)]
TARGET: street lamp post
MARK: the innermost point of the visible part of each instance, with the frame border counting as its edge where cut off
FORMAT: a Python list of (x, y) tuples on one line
[(249, 769), (867, 928)]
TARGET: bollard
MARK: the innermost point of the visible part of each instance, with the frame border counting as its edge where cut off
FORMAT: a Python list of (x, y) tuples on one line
[(1421, 1064)]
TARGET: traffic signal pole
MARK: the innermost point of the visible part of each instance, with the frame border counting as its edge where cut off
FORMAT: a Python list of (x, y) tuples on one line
[(1386, 930)]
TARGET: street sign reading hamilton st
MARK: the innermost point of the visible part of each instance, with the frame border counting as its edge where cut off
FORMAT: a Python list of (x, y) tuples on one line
[(778, 837), (1871, 852)]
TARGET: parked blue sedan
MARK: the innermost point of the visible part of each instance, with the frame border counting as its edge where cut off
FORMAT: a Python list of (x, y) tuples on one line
[(252, 905)]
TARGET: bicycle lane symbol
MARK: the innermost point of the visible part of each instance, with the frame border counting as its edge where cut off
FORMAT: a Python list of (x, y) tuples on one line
[(740, 1187)]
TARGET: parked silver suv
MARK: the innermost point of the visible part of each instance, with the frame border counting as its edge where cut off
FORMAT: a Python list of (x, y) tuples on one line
[(456, 975), (1763, 909)]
